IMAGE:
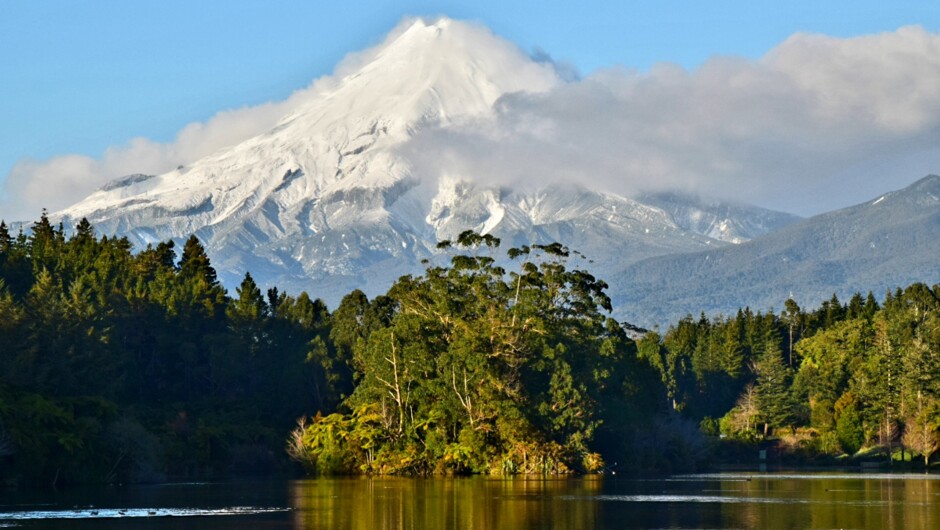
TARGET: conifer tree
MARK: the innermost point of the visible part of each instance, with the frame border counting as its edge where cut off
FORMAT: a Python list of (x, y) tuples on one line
[(249, 304), (194, 263), (774, 399)]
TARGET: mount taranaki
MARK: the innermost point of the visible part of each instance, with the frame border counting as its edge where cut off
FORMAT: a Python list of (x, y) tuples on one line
[(330, 199)]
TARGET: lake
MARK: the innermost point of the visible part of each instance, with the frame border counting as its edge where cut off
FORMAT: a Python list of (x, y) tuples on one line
[(727, 500)]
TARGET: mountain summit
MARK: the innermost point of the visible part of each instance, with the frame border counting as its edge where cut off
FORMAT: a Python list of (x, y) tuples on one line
[(429, 75), (328, 201)]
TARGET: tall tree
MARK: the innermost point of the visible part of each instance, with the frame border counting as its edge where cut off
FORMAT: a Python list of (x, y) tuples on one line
[(194, 263), (793, 317), (774, 399)]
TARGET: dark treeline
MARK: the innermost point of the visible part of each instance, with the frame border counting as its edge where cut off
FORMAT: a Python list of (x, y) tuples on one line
[(118, 366)]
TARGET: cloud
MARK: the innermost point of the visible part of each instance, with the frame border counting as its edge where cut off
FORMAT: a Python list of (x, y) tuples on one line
[(815, 113), (56, 183), (565, 70), (773, 131)]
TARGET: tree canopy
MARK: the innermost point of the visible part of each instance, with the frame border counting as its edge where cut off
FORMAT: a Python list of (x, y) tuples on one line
[(476, 369), (118, 366)]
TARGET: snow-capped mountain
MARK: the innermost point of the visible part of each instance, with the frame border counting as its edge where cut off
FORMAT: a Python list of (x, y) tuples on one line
[(327, 201)]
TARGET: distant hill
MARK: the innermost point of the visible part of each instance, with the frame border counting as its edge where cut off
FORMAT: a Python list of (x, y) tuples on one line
[(891, 241)]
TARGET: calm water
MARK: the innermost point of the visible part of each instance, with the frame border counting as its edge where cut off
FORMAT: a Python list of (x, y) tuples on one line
[(693, 501)]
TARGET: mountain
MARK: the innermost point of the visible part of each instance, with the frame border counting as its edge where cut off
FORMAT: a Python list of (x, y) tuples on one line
[(733, 223), (882, 244), (327, 200)]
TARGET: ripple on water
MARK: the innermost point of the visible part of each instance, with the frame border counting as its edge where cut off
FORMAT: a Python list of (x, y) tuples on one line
[(688, 498), (117, 513), (747, 477)]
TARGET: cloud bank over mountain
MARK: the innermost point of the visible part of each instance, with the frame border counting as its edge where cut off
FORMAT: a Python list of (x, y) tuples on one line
[(810, 115), (767, 131)]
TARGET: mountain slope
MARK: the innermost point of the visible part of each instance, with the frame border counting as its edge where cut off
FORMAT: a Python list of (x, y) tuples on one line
[(879, 245), (341, 140), (734, 223), (327, 202)]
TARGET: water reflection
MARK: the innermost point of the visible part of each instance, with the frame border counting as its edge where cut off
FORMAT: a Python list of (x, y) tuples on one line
[(773, 501), (714, 501), (831, 501), (466, 503)]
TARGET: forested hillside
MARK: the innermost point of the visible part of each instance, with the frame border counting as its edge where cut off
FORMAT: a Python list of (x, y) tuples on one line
[(121, 366)]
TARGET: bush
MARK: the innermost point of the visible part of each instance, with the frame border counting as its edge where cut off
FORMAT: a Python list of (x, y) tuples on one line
[(710, 426)]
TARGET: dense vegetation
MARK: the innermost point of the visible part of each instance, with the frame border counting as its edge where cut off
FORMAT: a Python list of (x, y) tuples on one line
[(118, 366), (834, 380), (473, 369)]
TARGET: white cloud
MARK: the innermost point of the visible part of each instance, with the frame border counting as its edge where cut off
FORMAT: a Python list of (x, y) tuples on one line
[(774, 131), (61, 181)]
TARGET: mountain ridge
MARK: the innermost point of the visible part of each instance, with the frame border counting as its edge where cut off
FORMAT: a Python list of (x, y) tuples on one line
[(874, 246)]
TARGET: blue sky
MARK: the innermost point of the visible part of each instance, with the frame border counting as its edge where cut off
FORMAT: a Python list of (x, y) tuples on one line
[(80, 76)]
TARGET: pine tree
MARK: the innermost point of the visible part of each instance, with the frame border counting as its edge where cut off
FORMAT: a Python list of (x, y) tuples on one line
[(84, 230), (249, 304), (6, 241), (878, 379), (732, 350), (856, 307), (871, 306), (194, 263), (833, 311), (793, 317), (774, 399)]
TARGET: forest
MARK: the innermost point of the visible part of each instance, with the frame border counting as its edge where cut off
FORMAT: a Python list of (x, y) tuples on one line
[(120, 365)]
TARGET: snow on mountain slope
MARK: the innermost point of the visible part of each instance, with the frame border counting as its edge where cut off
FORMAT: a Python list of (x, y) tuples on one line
[(326, 202), (733, 223), (428, 76)]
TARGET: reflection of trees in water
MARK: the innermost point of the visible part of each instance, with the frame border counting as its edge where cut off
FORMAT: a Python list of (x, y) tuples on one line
[(363, 503), (837, 502), (771, 501)]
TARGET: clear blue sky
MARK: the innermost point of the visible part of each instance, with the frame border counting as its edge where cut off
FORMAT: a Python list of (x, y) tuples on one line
[(79, 76)]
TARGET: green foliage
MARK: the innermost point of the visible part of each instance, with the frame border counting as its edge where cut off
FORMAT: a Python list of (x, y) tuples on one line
[(472, 369), (848, 424), (831, 356), (859, 374), (775, 402)]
